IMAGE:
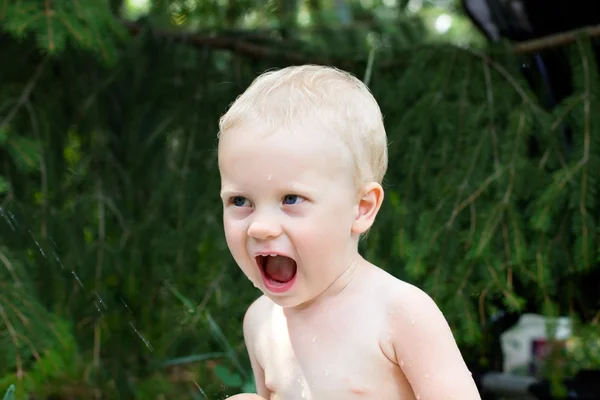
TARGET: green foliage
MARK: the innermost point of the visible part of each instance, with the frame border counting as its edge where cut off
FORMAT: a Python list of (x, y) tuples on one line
[(10, 393), (114, 273), (89, 25), (486, 211)]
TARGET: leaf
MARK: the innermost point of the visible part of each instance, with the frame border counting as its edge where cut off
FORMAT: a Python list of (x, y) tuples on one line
[(10, 393), (4, 185), (228, 378), (25, 152), (89, 25), (249, 387)]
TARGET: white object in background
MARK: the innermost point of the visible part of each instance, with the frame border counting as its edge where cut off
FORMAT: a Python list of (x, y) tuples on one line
[(517, 341)]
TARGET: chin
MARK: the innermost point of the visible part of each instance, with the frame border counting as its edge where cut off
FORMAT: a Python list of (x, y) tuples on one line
[(285, 301)]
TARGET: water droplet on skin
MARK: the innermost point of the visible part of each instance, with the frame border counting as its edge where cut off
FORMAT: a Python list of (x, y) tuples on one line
[(270, 177), (314, 339), (402, 363)]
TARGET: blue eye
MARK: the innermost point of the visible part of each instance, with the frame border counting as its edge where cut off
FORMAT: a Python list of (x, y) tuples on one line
[(239, 201), (290, 199)]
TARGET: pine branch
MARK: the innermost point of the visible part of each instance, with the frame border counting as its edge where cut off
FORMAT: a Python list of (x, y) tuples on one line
[(24, 95), (241, 43), (556, 40)]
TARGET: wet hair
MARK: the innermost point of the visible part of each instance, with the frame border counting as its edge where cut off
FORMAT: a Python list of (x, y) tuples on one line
[(334, 99)]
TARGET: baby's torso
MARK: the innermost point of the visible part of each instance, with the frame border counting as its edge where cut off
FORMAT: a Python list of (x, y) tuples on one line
[(341, 352)]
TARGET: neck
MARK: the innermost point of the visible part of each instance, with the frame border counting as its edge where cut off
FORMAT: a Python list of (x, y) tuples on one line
[(333, 290)]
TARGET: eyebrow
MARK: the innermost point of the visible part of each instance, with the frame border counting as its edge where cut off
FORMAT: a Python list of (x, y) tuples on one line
[(295, 187), (291, 187), (227, 192)]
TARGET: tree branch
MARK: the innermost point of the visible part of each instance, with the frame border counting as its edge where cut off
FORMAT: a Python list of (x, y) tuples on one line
[(241, 44), (24, 95), (238, 44), (556, 40)]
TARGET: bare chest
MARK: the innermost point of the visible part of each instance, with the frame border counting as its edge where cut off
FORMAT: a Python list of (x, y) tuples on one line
[(329, 358)]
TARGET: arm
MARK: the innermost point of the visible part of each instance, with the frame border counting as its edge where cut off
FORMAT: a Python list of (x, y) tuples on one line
[(250, 325), (426, 351)]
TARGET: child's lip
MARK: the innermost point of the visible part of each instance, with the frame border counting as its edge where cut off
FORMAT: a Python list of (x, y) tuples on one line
[(272, 253), (278, 288), (266, 283)]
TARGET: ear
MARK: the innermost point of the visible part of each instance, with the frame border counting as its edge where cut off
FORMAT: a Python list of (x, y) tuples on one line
[(369, 202)]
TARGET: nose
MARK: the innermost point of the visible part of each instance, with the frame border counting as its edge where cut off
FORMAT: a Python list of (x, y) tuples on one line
[(264, 228)]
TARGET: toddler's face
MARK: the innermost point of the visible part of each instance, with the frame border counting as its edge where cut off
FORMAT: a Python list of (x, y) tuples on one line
[(289, 204)]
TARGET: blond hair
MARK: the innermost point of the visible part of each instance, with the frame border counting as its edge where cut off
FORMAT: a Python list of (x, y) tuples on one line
[(333, 97)]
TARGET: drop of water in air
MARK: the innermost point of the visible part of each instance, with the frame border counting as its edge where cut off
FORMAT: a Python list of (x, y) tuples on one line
[(101, 301), (98, 308), (126, 306), (146, 341), (58, 260), (13, 218), (38, 245), (200, 390), (7, 219), (77, 279)]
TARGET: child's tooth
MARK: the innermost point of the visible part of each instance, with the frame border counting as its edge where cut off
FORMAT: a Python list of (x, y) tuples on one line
[(273, 255)]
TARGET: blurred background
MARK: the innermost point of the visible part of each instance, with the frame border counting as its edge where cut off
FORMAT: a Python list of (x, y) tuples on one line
[(115, 279)]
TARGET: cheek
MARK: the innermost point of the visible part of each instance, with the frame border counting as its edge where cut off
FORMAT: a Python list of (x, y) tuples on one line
[(328, 229), (234, 235)]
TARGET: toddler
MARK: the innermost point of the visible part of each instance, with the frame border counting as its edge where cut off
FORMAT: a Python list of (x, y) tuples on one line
[(302, 156)]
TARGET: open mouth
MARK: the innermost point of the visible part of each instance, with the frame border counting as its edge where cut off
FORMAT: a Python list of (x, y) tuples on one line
[(279, 272)]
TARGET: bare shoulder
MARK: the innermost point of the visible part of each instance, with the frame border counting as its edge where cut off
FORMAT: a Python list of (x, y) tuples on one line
[(424, 345), (412, 311), (394, 293), (410, 299), (256, 315)]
